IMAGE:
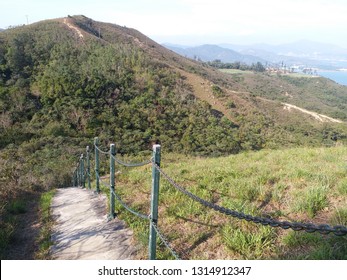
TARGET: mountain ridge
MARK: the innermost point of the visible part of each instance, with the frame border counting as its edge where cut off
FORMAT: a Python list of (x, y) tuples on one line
[(304, 52), (209, 52)]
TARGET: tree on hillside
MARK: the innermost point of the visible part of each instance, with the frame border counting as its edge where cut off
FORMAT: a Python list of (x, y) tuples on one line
[(258, 67)]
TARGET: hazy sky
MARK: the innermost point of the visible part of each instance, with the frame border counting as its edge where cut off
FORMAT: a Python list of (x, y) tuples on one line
[(200, 21)]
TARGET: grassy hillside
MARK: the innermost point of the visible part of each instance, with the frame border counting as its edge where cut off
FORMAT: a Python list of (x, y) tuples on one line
[(267, 92), (301, 184), (313, 93), (65, 81)]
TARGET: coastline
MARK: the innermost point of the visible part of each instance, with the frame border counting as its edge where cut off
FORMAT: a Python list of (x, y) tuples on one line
[(339, 76)]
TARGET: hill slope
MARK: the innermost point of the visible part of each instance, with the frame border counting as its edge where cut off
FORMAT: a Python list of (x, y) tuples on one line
[(68, 80), (82, 78), (65, 81)]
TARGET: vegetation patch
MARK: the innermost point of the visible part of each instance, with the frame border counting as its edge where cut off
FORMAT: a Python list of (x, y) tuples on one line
[(312, 200), (6, 232), (217, 91), (247, 244), (17, 206)]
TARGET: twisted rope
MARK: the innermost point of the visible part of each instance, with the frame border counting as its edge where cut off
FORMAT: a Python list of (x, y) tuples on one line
[(142, 216), (131, 164), (101, 151), (102, 182)]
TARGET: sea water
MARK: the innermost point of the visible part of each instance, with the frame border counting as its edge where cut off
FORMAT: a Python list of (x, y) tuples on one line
[(339, 77)]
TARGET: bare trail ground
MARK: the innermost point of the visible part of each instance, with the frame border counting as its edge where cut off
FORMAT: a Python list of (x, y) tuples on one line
[(81, 229), (319, 117)]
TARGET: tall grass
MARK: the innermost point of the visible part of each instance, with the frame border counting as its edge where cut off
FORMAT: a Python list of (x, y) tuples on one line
[(302, 184), (312, 200), (44, 239), (8, 221)]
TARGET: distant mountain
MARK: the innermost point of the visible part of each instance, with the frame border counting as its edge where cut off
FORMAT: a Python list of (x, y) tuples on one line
[(304, 53), (213, 52), (312, 54), (312, 50)]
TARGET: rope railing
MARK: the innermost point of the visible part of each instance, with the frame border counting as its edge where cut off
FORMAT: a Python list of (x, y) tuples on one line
[(101, 181), (126, 164), (82, 172), (153, 217), (101, 151), (129, 164)]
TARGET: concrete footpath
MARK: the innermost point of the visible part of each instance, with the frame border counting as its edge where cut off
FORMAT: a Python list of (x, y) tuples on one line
[(81, 230)]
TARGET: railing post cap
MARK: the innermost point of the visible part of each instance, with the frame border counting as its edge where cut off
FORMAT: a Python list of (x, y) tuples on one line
[(113, 149), (156, 146), (87, 148), (96, 140)]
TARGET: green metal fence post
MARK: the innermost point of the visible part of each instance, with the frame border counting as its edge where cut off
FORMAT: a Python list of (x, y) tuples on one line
[(154, 203), (112, 181), (82, 172), (96, 142), (88, 166), (75, 178), (78, 174)]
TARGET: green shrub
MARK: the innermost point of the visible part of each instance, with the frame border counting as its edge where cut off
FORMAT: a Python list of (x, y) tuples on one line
[(231, 104), (217, 91)]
